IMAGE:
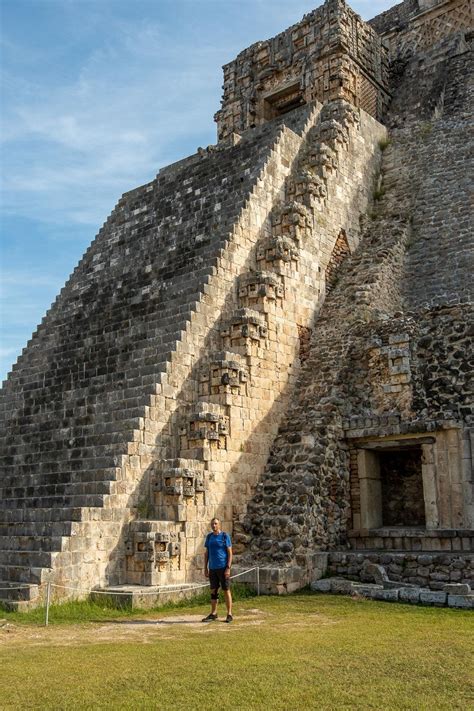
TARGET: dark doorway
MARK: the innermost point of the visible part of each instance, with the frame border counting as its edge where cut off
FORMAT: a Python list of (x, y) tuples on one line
[(402, 487), (283, 101)]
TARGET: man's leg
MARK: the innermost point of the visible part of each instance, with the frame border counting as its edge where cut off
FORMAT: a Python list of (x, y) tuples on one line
[(228, 601), (214, 583), (214, 600), (225, 584)]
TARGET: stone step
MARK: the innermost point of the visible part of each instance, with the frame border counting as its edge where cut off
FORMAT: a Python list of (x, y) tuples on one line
[(115, 420), (146, 596), (12, 592), (48, 476), (40, 514), (432, 569), (162, 323), (25, 558), (154, 368), (46, 491), (16, 605), (30, 543), (416, 540), (23, 574), (145, 365), (54, 502), (40, 529), (63, 477), (113, 431), (134, 385), (398, 592)]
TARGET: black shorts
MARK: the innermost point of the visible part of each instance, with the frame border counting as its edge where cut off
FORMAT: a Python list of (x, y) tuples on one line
[(217, 578)]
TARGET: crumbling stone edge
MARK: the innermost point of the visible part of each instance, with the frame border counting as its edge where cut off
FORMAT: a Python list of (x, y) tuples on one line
[(457, 596), (281, 581)]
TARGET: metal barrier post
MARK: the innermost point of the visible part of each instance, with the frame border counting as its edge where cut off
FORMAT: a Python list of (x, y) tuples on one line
[(258, 580), (48, 599)]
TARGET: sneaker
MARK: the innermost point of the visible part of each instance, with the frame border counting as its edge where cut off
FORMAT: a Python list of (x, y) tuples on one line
[(229, 618), (209, 618)]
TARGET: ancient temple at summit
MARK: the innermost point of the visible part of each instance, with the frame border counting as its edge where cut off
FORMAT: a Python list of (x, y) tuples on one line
[(276, 330)]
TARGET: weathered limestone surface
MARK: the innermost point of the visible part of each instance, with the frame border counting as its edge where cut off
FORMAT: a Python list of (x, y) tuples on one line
[(171, 440), (276, 330)]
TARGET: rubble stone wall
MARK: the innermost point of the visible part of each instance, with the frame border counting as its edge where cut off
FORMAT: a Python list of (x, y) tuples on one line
[(390, 346), (432, 570)]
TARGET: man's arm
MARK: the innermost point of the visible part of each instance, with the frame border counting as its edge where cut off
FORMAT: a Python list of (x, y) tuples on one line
[(206, 562), (229, 561)]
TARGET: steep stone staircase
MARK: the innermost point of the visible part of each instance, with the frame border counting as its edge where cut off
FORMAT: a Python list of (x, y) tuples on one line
[(218, 456), (161, 412), (79, 432)]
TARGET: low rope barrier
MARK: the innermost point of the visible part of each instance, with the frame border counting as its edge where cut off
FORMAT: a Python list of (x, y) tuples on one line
[(159, 590)]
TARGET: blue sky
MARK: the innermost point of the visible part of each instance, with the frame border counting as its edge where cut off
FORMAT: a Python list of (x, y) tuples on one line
[(96, 96)]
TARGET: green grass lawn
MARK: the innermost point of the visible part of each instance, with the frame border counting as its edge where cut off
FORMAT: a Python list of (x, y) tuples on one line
[(298, 652)]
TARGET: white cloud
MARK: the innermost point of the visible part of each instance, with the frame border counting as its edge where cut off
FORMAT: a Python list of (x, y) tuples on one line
[(81, 144)]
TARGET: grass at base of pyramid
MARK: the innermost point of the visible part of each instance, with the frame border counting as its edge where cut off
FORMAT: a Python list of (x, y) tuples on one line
[(299, 651)]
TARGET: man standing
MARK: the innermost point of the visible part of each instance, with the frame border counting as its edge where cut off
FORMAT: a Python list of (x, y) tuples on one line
[(217, 563)]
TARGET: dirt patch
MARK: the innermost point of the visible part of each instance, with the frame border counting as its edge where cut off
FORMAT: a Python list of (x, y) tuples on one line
[(124, 630), (143, 630)]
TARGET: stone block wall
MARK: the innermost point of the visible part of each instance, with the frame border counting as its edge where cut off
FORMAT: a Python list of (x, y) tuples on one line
[(396, 17), (331, 54), (443, 456), (215, 405)]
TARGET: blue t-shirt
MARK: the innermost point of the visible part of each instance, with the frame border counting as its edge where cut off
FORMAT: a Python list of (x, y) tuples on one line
[(217, 545)]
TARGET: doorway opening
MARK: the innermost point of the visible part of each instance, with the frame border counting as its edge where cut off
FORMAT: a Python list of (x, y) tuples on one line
[(402, 487), (394, 484), (283, 101)]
